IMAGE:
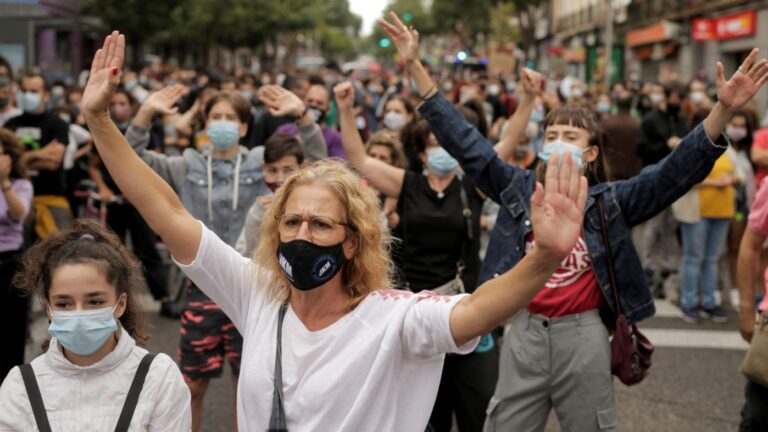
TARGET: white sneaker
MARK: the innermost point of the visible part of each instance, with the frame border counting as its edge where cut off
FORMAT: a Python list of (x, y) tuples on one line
[(734, 298)]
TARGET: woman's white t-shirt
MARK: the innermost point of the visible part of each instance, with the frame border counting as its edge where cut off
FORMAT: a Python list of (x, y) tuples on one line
[(376, 369)]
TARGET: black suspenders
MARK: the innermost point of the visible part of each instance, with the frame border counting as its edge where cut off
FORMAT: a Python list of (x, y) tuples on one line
[(129, 407)]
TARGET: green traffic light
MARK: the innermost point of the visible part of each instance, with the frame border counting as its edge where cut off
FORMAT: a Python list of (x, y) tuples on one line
[(385, 42), (408, 17)]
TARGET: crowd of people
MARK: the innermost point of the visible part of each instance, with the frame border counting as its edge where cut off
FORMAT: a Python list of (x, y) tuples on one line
[(456, 260)]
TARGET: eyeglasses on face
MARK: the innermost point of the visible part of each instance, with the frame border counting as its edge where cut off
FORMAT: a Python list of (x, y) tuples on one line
[(320, 227)]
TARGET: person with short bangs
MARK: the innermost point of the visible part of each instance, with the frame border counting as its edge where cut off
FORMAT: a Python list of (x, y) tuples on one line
[(556, 352), (338, 349)]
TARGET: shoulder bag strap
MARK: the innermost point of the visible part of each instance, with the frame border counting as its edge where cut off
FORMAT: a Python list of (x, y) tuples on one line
[(277, 422), (609, 256), (124, 422), (467, 213), (35, 399)]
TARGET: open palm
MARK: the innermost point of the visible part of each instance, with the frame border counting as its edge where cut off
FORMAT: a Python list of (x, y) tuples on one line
[(557, 208), (105, 76), (281, 102), (744, 83), (406, 39)]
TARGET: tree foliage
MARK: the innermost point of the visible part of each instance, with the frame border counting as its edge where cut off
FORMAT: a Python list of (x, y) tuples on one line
[(232, 23)]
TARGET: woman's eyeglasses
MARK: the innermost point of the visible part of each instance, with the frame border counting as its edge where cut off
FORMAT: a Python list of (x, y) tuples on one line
[(320, 227)]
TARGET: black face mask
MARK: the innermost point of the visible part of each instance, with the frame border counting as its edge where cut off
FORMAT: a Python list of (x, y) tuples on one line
[(673, 108), (624, 103), (307, 265)]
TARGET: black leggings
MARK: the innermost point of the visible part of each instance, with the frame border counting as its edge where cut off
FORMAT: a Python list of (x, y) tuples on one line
[(122, 218), (14, 309), (466, 387)]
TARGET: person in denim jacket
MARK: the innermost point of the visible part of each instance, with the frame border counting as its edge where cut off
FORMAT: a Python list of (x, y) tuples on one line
[(564, 361), (217, 185)]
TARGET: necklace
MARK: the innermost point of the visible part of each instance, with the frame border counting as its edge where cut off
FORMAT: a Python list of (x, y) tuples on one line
[(440, 195)]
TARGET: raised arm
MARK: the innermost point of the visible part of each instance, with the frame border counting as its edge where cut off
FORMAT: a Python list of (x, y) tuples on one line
[(515, 131), (153, 197), (281, 102), (659, 185), (384, 177), (557, 214), (462, 140)]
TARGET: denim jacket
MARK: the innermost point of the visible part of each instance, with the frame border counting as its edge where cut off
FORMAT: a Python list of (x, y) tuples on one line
[(223, 201), (626, 203)]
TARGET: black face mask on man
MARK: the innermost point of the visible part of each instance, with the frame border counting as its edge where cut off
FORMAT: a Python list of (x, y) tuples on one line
[(307, 265)]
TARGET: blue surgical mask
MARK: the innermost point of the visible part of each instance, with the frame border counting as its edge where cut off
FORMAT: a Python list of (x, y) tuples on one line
[(560, 147), (223, 134), (603, 107), (440, 162), (30, 102), (83, 332), (130, 85), (537, 116)]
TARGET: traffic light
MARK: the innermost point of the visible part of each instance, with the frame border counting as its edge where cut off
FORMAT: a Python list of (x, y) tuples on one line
[(384, 42), (408, 17)]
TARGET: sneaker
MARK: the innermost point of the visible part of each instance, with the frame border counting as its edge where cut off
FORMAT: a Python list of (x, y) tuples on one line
[(716, 314), (170, 309), (691, 315)]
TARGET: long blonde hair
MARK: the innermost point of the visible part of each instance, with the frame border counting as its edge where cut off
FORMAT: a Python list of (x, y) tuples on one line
[(370, 268)]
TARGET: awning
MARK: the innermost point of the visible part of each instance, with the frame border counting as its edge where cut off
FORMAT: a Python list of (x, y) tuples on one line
[(660, 32)]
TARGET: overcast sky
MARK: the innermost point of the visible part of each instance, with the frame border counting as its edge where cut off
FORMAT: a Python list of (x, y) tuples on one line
[(370, 10)]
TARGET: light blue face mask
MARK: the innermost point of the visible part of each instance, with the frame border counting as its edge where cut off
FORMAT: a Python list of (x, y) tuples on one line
[(560, 147), (603, 107), (537, 116), (30, 102), (83, 332), (223, 134), (440, 162)]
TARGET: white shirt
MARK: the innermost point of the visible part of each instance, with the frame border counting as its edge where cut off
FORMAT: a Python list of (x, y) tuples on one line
[(376, 369), (91, 398)]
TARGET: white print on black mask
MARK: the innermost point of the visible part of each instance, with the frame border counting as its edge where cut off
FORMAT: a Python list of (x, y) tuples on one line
[(573, 266), (286, 266)]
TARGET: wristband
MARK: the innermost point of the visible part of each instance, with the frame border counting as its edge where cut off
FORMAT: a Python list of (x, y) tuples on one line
[(426, 95)]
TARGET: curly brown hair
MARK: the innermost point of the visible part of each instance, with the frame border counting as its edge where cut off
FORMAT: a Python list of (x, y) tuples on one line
[(106, 252)]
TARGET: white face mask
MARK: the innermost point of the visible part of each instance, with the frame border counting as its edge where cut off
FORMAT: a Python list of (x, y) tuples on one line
[(698, 96), (736, 133), (656, 98), (394, 121)]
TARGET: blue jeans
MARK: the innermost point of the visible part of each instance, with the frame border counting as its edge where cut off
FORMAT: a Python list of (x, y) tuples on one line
[(702, 243)]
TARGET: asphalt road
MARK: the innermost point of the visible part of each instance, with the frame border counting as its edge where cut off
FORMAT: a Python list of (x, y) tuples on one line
[(695, 384)]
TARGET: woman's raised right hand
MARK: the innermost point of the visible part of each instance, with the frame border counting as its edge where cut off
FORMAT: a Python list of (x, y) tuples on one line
[(406, 39), (104, 77)]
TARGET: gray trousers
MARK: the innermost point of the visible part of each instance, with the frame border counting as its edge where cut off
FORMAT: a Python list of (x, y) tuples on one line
[(659, 245), (561, 363)]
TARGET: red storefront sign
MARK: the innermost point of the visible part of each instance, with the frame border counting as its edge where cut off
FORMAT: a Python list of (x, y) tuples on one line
[(734, 26), (704, 29)]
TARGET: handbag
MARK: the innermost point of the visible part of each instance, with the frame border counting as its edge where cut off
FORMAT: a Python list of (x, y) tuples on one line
[(630, 350), (755, 364)]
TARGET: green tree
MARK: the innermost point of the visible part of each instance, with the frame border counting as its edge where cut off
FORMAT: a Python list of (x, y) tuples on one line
[(420, 18), (467, 19), (140, 20)]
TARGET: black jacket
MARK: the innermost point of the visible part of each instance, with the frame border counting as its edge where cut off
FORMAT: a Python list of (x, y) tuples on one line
[(658, 127)]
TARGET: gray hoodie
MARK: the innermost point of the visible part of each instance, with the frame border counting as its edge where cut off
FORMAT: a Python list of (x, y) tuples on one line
[(216, 191)]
